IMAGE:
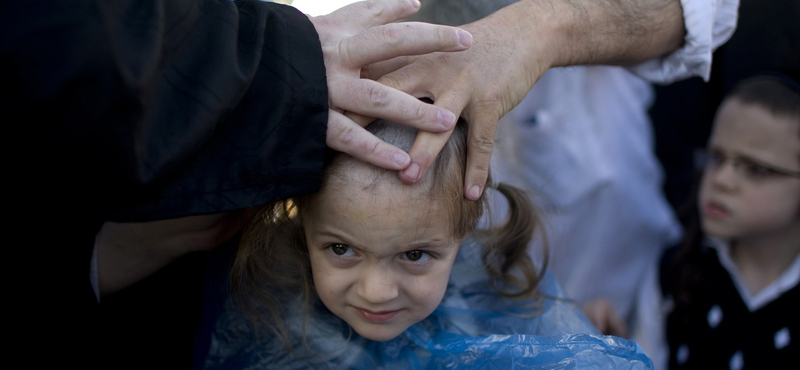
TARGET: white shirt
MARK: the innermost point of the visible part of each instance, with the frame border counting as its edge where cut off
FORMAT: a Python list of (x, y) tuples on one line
[(582, 141)]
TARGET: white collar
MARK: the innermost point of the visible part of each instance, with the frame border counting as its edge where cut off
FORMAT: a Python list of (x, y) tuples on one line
[(788, 279)]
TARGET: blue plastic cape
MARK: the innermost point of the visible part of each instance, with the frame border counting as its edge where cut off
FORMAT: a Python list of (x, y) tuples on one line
[(473, 328)]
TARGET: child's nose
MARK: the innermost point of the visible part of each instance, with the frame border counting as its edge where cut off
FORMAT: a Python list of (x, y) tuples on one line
[(726, 175), (377, 285)]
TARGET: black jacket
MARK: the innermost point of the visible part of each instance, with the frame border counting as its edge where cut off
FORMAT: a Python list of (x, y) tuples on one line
[(139, 110)]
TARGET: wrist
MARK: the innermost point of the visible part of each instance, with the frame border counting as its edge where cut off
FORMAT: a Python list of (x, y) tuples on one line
[(622, 32)]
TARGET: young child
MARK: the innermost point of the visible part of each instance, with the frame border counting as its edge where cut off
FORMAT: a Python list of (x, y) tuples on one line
[(377, 252), (372, 273), (731, 287)]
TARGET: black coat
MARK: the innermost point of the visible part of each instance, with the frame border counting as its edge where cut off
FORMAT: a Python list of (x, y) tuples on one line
[(131, 110)]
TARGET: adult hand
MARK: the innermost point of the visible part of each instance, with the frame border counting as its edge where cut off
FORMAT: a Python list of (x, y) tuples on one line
[(513, 48), (481, 84), (358, 35), (603, 315), (129, 252)]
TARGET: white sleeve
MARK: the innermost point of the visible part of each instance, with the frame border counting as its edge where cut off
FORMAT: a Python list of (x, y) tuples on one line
[(709, 24)]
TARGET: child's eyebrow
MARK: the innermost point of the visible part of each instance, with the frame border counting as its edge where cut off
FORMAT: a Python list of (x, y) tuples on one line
[(336, 235), (739, 156), (433, 244)]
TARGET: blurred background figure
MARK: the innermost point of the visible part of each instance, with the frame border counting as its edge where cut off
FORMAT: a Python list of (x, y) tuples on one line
[(766, 39), (727, 296)]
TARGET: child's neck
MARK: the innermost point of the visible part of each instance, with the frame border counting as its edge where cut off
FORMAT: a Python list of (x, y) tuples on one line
[(762, 261)]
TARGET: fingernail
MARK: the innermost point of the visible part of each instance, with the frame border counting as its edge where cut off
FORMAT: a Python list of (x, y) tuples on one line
[(447, 118), (474, 192), (401, 159), (416, 4), (464, 38), (412, 171)]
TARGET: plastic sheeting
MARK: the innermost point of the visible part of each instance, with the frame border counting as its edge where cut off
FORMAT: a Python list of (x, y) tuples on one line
[(473, 328)]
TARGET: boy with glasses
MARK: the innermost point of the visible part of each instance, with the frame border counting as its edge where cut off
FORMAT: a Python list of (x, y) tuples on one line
[(728, 295)]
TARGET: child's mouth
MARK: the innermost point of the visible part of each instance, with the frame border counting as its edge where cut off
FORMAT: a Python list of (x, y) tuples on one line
[(715, 210), (377, 317)]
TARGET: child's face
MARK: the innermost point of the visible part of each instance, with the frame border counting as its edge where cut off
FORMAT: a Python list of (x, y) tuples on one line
[(748, 202), (380, 256)]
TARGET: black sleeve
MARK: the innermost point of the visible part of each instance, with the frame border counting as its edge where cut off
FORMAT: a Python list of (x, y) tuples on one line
[(137, 110), (183, 106)]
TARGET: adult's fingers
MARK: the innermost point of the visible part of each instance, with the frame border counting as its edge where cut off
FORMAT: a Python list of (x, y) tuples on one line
[(373, 99), (374, 71), (603, 315), (346, 136), (427, 145), (398, 39), (480, 144), (423, 152), (359, 119), (616, 326), (453, 92), (370, 13)]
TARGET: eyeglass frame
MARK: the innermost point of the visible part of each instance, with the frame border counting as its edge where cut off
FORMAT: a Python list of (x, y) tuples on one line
[(754, 170)]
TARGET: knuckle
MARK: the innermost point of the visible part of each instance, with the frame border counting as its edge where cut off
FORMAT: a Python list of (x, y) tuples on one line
[(482, 144), (378, 96), (446, 36), (491, 103), (422, 110), (391, 80), (347, 136), (343, 52), (370, 149), (373, 8), (425, 157), (392, 33), (339, 135), (481, 170)]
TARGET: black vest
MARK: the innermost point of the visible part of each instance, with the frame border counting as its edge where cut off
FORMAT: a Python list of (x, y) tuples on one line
[(718, 331)]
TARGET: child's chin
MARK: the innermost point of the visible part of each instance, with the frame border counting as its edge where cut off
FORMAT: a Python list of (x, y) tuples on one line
[(381, 335)]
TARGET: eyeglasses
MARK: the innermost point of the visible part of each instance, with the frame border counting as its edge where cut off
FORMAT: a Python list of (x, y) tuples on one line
[(714, 160)]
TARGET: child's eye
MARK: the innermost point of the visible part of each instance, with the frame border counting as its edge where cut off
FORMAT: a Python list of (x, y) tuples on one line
[(416, 256), (341, 250), (714, 159), (756, 171)]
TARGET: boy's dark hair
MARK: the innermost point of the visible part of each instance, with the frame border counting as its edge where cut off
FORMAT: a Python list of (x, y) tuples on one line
[(777, 92)]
